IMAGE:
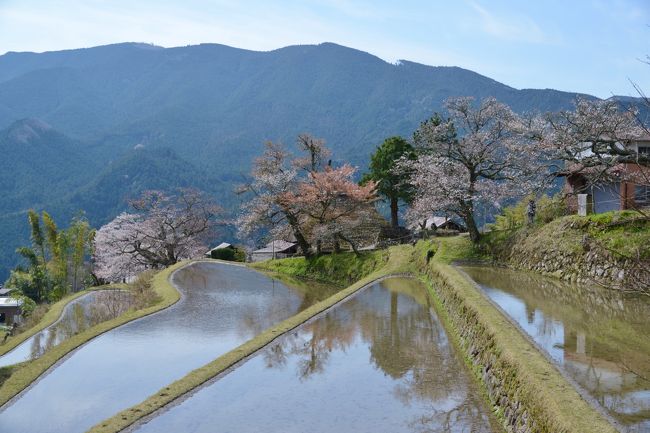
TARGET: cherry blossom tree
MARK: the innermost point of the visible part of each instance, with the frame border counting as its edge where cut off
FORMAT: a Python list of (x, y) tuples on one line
[(297, 196), (274, 179), (334, 202), (593, 140), (481, 154), (160, 231), (315, 150)]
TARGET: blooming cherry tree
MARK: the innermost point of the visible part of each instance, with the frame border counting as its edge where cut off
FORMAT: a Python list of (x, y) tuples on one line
[(159, 232), (593, 140), (297, 196), (334, 202), (479, 155)]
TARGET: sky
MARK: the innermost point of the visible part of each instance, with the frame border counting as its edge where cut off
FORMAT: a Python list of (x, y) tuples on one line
[(590, 46)]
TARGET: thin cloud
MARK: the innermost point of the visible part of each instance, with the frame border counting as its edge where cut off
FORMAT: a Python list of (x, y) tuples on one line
[(517, 28)]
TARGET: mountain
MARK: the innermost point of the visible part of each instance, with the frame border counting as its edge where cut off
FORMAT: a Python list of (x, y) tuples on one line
[(138, 171), (39, 163), (211, 106)]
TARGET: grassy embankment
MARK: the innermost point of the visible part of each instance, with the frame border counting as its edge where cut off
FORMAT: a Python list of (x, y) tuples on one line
[(20, 376), (338, 269), (565, 243), (525, 389), (520, 383)]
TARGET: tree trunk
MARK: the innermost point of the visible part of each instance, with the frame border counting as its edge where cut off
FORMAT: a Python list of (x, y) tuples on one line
[(474, 234), (394, 219), (352, 244), (302, 242), (468, 210)]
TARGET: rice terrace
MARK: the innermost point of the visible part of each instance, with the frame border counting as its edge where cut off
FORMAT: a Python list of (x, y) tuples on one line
[(214, 221)]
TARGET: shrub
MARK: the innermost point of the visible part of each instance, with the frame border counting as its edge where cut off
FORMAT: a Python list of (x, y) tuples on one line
[(142, 290), (229, 254), (32, 313), (550, 208), (514, 217)]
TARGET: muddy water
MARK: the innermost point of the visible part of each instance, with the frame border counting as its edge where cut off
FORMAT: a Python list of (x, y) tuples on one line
[(600, 337), (77, 316), (379, 362), (222, 306)]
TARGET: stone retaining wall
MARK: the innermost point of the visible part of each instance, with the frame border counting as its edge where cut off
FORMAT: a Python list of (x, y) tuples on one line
[(527, 391), (586, 263)]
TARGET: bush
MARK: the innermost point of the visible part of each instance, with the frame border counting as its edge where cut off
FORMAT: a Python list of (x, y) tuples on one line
[(515, 216), (550, 208), (512, 217), (229, 254), (32, 313), (142, 290)]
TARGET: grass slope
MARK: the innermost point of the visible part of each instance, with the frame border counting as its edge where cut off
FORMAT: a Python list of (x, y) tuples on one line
[(341, 269), (525, 376)]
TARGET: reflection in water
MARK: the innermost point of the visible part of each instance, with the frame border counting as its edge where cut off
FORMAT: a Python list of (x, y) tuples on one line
[(379, 362), (599, 336), (79, 315), (222, 306)]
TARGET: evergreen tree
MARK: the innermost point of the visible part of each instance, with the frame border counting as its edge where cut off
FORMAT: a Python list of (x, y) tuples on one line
[(392, 184)]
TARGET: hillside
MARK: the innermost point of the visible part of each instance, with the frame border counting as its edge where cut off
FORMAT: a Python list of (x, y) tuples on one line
[(204, 100), (212, 105), (38, 163), (101, 196), (609, 249)]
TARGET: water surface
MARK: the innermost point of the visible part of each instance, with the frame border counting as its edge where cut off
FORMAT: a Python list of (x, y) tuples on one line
[(222, 307), (600, 337), (379, 362), (80, 314)]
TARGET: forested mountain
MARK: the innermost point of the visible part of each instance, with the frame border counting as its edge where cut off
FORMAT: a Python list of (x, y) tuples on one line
[(117, 108)]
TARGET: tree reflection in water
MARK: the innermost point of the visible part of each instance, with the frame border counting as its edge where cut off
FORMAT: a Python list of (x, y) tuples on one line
[(85, 313), (405, 341), (599, 336)]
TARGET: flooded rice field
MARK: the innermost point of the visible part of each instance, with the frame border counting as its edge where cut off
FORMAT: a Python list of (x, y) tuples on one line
[(378, 362), (79, 315), (222, 307), (600, 337)]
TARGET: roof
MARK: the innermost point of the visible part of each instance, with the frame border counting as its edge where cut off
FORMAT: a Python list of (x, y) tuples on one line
[(276, 246), (10, 302), (438, 221), (222, 245), (4, 291)]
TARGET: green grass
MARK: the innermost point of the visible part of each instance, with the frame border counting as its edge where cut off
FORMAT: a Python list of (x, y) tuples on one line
[(341, 269), (24, 374), (621, 232)]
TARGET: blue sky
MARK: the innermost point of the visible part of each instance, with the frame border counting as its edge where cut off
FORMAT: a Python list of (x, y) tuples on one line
[(591, 46)]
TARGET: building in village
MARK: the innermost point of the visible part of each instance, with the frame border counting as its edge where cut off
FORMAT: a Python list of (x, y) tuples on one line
[(277, 249), (627, 188), (10, 308), (435, 223)]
